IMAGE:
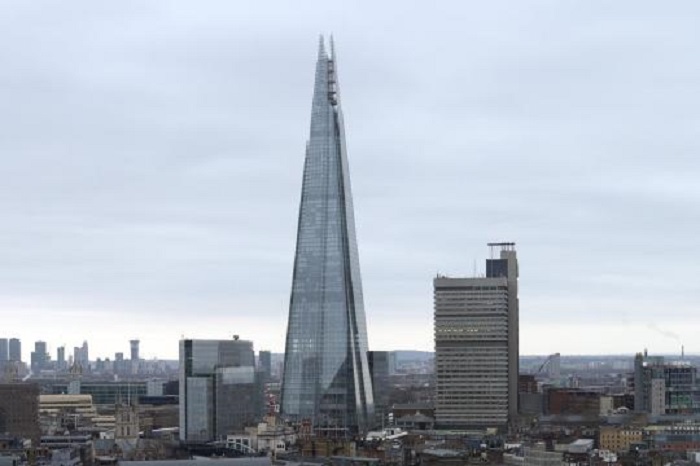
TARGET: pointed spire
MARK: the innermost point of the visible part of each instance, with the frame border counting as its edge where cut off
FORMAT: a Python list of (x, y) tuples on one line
[(333, 75), (326, 283), (321, 47)]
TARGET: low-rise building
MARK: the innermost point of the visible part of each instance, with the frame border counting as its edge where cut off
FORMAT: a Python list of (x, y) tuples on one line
[(267, 437), (61, 413), (103, 393), (678, 438), (578, 452), (560, 401), (618, 439), (415, 422), (537, 455), (662, 387), (409, 409)]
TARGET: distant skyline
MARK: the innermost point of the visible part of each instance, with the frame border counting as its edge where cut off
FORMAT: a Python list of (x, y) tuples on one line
[(152, 154), (674, 355)]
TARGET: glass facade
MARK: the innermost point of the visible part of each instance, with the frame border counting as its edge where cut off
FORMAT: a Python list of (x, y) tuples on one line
[(326, 376), (379, 371), (220, 391)]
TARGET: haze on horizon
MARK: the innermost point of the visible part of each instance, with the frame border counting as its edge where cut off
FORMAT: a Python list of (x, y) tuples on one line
[(152, 158)]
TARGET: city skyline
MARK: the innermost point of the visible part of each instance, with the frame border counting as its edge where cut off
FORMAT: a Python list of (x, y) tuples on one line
[(150, 161)]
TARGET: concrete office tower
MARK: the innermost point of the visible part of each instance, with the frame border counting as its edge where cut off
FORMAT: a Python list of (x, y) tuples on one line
[(326, 376), (134, 345), (220, 391), (476, 345), (15, 350)]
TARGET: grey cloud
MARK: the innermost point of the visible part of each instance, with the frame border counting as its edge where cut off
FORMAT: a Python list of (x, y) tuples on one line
[(152, 154)]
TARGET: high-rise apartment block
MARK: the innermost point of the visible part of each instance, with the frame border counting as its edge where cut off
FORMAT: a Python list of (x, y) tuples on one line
[(476, 345), (326, 379), (220, 390)]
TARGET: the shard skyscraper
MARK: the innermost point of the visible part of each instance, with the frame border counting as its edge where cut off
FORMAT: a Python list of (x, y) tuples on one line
[(326, 379)]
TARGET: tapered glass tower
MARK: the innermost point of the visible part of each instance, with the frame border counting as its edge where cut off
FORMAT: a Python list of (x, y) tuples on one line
[(326, 376)]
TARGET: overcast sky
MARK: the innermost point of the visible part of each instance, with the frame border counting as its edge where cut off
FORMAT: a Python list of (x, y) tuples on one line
[(151, 156)]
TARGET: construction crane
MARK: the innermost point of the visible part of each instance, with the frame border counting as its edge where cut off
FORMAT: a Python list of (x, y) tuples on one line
[(546, 362)]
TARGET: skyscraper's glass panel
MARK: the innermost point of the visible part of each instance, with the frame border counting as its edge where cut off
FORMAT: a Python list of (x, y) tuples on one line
[(200, 416), (326, 375)]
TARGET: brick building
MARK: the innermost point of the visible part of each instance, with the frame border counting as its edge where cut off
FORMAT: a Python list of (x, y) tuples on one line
[(572, 402), (619, 440)]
